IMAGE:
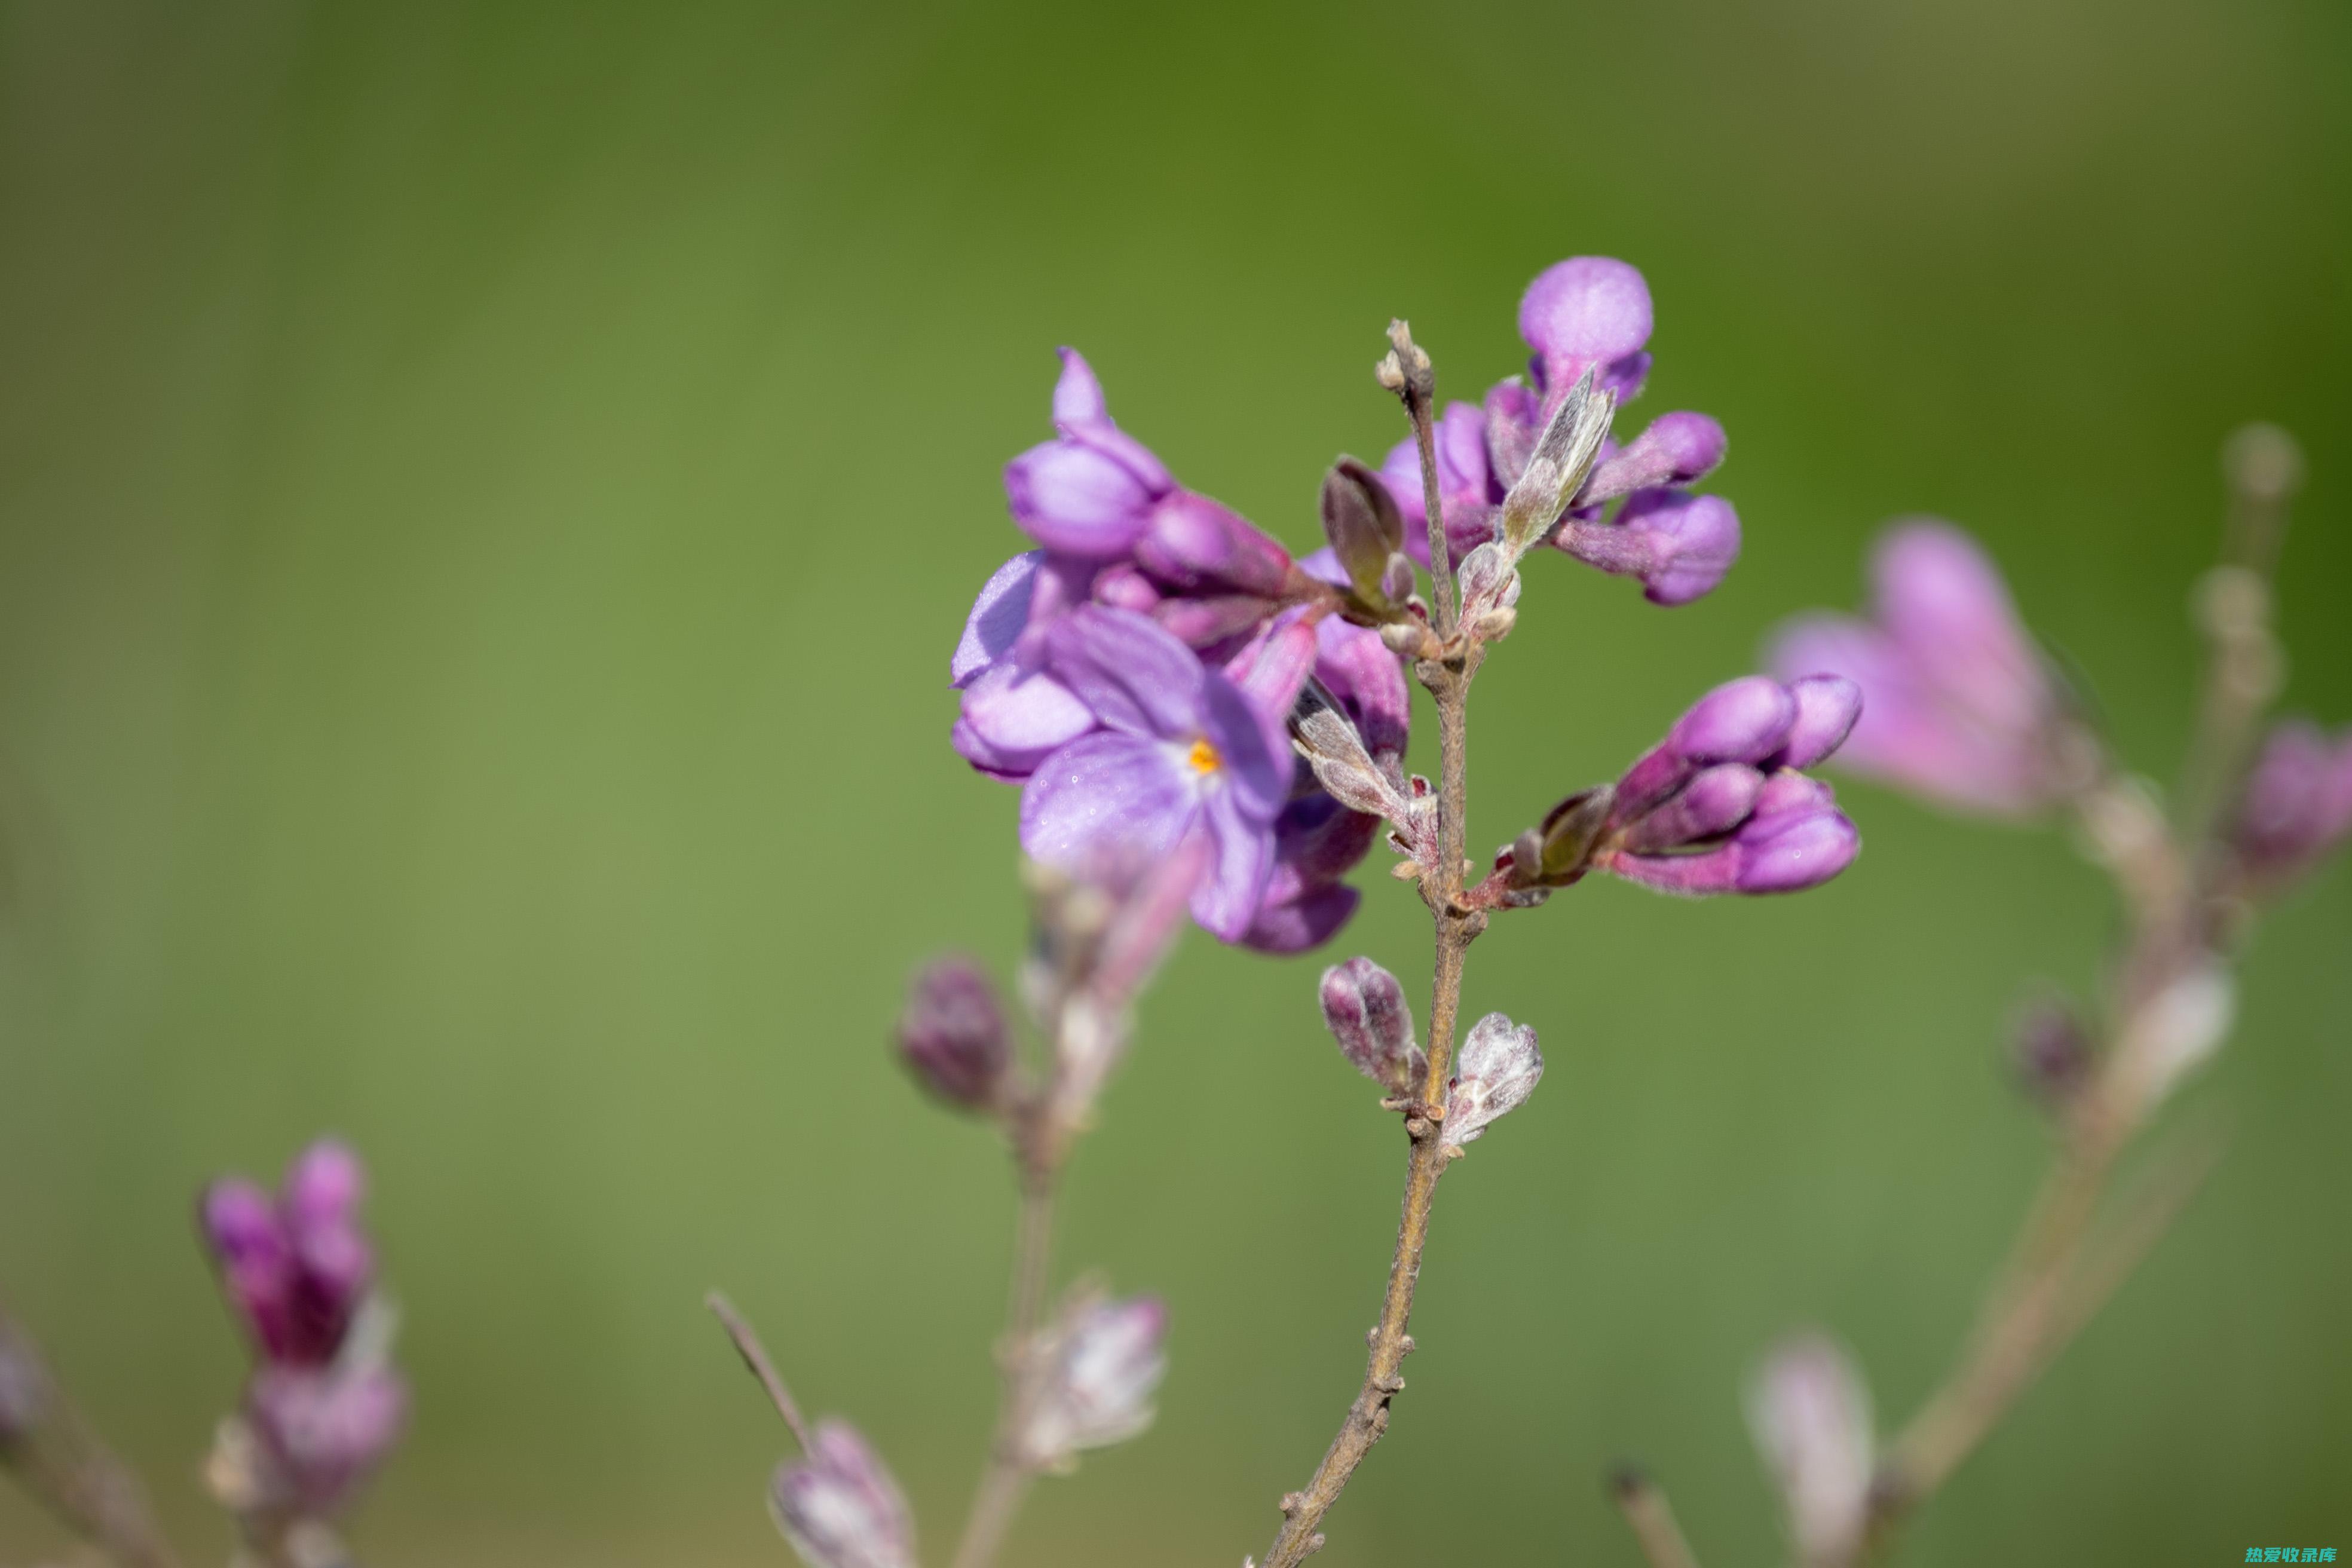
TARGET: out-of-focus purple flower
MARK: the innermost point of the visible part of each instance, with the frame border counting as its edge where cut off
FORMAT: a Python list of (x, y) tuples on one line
[(839, 1507), (952, 1035), (1181, 751), (325, 1429), (2052, 1051), (1097, 1368), (1494, 1073), (1959, 706), (2296, 806), (1679, 544), (1366, 1011), (1809, 1413), (295, 1266), (1719, 805)]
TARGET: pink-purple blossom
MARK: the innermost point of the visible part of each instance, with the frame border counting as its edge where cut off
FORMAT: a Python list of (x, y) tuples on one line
[(1179, 752), (1587, 313), (952, 1034), (2297, 805), (840, 1506), (1958, 704), (1720, 804), (323, 1401)]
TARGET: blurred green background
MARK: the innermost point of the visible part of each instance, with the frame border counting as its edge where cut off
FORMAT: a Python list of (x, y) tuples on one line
[(487, 492)]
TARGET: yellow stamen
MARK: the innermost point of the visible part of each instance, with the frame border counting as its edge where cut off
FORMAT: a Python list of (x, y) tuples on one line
[(1205, 758)]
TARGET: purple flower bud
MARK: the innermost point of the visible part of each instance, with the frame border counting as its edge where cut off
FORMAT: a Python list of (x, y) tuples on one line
[(1091, 492), (1125, 587), (2297, 805), (1588, 312), (1957, 705), (323, 1187), (1715, 801), (1494, 1073), (1774, 852), (1811, 1417), (326, 1430), (1827, 709), (952, 1034), (1679, 544), (1366, 1011), (1193, 544), (1100, 1364), (1743, 721), (1676, 449), (295, 1267), (1303, 919), (2052, 1051), (839, 1506)]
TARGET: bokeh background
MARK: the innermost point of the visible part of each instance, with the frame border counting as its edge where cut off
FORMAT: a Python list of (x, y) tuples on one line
[(487, 493)]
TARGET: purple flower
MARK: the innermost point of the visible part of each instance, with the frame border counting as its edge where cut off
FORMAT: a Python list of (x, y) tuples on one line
[(951, 1033), (1318, 840), (324, 1430), (1181, 752), (295, 1266), (839, 1506), (1721, 806), (1811, 1417), (2297, 805), (1679, 544), (1096, 1370), (1366, 1011), (1014, 713), (1494, 1073), (1587, 313), (1091, 492), (1959, 705)]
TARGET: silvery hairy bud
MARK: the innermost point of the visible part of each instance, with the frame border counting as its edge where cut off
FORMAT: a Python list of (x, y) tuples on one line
[(952, 1034), (1096, 1368), (1811, 1417), (1365, 532), (1494, 1073), (1555, 469), (1366, 1011), (1334, 749), (839, 1506)]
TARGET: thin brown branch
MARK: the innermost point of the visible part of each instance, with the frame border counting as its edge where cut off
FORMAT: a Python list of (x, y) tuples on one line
[(1454, 929), (1005, 1479), (1647, 1513), (65, 1467), (755, 1356)]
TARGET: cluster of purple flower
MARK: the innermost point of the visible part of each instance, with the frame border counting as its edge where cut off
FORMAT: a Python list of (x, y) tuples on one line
[(323, 1405), (1587, 313), (1138, 671)]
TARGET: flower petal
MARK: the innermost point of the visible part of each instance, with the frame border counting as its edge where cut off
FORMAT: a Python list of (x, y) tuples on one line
[(998, 617), (1225, 899), (1076, 496), (1107, 794), (1134, 674)]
